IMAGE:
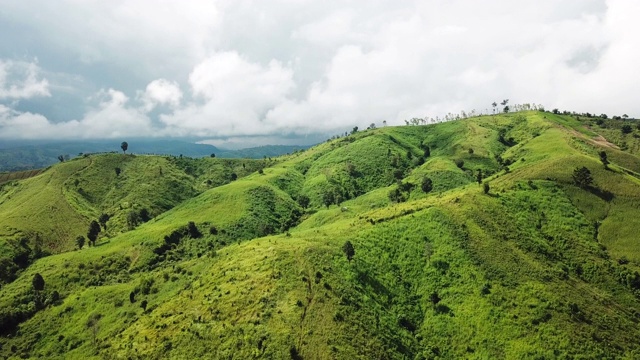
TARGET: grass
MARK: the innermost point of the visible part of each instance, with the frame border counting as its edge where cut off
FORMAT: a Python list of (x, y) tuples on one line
[(536, 268)]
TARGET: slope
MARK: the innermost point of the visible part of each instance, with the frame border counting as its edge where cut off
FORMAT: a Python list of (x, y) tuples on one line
[(535, 267)]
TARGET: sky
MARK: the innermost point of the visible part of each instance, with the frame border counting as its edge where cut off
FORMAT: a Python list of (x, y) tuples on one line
[(294, 71)]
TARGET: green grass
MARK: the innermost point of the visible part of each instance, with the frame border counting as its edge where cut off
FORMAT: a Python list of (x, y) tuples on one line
[(536, 268)]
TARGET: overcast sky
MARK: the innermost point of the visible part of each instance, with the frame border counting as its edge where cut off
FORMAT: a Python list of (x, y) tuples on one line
[(265, 71)]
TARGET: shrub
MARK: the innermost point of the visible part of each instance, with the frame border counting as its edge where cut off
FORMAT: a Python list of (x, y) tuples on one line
[(427, 184)]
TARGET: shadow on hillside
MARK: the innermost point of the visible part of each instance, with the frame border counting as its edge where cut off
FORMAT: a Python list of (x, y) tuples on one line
[(376, 285), (602, 194)]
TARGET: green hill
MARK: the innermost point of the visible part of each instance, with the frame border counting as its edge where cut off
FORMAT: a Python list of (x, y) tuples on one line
[(537, 263)]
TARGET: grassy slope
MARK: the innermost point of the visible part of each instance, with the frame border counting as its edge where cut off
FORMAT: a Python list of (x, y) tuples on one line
[(518, 273)]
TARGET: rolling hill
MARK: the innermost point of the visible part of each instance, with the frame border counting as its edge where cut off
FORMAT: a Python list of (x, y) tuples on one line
[(478, 238)]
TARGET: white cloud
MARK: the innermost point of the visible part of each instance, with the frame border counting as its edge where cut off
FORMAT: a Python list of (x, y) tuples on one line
[(110, 119), (161, 92), (21, 80), (233, 95), (256, 68)]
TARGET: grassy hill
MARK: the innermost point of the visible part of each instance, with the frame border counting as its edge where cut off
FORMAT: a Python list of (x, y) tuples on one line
[(530, 265)]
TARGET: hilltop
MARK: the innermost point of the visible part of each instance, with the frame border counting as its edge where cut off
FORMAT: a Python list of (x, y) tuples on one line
[(476, 238)]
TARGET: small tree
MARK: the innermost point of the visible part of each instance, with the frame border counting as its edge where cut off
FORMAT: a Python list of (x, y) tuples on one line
[(38, 282), (118, 171), (214, 155), (194, 233), (234, 176), (133, 219), (354, 130), (582, 177), (348, 250), (486, 187), (124, 146), (427, 184), (604, 160), (60, 158), (143, 305), (303, 201), (626, 129), (80, 241), (479, 176), (103, 220), (92, 234)]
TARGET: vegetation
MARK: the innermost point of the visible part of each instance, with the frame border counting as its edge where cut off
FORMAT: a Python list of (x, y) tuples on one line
[(266, 266)]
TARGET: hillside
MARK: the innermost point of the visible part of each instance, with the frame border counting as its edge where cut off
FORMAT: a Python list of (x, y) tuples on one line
[(471, 239)]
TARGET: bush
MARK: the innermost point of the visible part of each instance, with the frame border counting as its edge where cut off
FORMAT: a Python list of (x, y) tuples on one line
[(427, 184)]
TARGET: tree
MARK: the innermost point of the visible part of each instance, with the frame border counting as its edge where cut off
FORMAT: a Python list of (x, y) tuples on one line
[(348, 250), (384, 123), (143, 305), (626, 129), (194, 233), (303, 201), (604, 160), (427, 184), (80, 241), (234, 176), (124, 146), (328, 198), (582, 177), (486, 187), (144, 215), (354, 130), (92, 234), (494, 104), (118, 171), (427, 151), (133, 219), (38, 282), (214, 155), (103, 220), (479, 176), (60, 158)]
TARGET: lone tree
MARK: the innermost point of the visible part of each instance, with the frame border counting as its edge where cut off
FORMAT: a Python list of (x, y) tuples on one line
[(348, 250), (604, 160), (486, 187), (582, 177), (626, 129), (303, 201), (92, 234), (60, 158), (124, 146), (38, 282), (479, 176), (427, 184), (80, 242), (118, 171)]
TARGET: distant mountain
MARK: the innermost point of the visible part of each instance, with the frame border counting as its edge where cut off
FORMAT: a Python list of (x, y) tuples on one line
[(16, 155)]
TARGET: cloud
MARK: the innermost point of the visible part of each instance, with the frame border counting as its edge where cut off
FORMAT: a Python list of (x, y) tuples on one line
[(112, 118), (161, 92), (232, 96), (20, 80), (252, 68)]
